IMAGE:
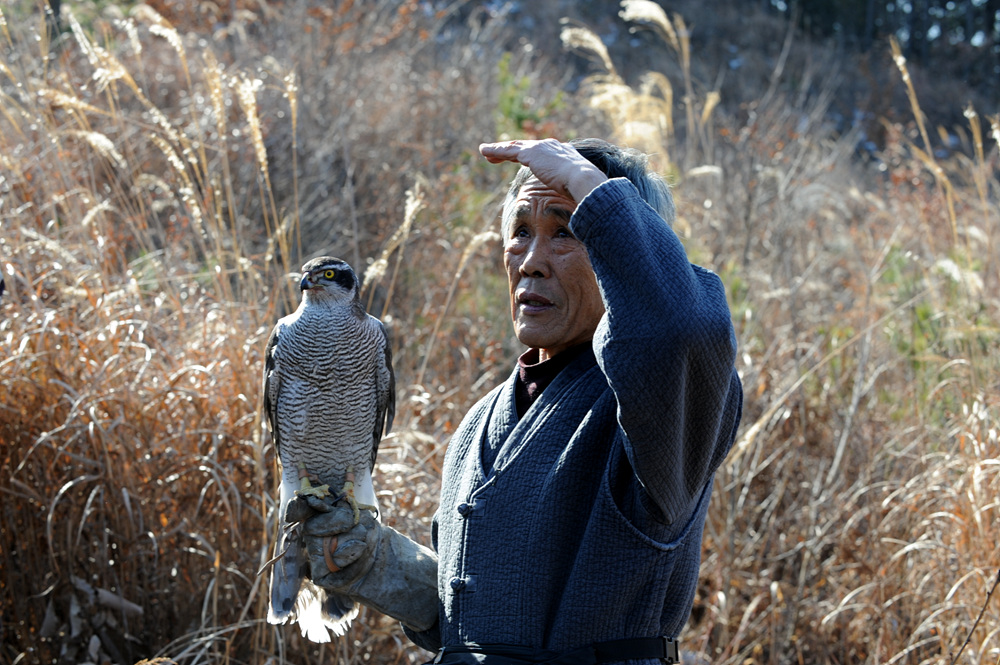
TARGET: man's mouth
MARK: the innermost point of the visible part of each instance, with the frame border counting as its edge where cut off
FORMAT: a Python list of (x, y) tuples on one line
[(532, 302)]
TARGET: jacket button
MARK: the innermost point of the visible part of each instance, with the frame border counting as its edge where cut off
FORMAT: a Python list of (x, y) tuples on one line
[(464, 509), (457, 583)]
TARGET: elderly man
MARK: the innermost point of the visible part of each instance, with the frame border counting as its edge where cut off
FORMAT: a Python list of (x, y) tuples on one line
[(575, 493)]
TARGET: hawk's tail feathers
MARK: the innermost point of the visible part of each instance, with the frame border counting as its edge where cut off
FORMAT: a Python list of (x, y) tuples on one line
[(295, 599), (320, 613), (286, 578)]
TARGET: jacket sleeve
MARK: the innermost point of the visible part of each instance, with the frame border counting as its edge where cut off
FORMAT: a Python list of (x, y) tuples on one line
[(666, 344)]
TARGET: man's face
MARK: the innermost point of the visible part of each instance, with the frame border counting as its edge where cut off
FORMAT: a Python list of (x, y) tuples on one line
[(554, 299)]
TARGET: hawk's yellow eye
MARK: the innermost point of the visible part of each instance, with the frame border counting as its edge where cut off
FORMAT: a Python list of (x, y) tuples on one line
[(329, 274)]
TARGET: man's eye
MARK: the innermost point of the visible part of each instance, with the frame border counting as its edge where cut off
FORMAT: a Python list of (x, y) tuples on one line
[(330, 274), (521, 232)]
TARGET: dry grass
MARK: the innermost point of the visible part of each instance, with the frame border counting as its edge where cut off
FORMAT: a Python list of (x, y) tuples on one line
[(157, 189), (148, 231)]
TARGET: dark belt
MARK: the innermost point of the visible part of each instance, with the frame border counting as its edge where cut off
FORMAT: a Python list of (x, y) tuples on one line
[(639, 648)]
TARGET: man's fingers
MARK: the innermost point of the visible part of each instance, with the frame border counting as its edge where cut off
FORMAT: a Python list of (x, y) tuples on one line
[(500, 152), (558, 165), (338, 520), (338, 551), (348, 552), (339, 559), (298, 510), (303, 507), (520, 150), (318, 504)]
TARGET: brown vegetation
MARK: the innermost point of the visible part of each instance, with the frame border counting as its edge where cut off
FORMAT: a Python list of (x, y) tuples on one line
[(158, 186)]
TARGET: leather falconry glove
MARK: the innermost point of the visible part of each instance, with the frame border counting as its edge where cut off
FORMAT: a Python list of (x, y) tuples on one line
[(374, 565)]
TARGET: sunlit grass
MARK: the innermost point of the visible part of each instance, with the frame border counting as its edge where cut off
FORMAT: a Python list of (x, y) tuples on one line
[(146, 252), (856, 519)]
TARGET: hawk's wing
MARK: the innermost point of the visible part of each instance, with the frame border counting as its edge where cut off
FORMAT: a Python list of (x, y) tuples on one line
[(385, 382), (272, 384)]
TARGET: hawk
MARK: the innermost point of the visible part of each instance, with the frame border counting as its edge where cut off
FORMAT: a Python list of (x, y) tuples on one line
[(329, 394)]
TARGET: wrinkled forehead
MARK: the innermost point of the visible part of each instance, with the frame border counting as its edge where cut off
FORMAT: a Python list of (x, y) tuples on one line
[(534, 198)]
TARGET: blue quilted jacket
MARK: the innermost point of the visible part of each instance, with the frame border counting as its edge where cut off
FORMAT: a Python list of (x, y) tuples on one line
[(588, 526)]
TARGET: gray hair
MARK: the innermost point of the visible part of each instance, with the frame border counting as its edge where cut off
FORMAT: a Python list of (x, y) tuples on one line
[(614, 162)]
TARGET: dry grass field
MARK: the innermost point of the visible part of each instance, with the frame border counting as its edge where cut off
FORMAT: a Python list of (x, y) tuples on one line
[(163, 173)]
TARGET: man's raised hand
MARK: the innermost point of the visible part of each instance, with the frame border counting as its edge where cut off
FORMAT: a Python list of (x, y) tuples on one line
[(558, 165)]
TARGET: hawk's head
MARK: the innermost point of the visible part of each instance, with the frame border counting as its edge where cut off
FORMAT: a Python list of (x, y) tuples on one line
[(328, 277)]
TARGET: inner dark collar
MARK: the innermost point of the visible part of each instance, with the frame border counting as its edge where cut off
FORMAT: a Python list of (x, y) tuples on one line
[(534, 375), (529, 362)]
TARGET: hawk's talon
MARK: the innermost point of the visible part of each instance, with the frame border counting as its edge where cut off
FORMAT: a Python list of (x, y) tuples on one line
[(318, 491), (348, 495), (306, 488)]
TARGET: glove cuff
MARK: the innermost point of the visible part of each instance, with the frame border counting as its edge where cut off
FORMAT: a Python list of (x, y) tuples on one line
[(402, 581)]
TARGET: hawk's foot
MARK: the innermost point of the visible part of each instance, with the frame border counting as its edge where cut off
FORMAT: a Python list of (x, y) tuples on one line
[(347, 493), (306, 488)]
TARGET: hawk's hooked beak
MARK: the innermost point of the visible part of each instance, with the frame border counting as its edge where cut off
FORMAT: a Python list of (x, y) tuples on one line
[(306, 283)]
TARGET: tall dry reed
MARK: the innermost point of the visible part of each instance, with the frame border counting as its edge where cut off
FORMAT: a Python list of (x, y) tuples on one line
[(855, 520), (151, 219)]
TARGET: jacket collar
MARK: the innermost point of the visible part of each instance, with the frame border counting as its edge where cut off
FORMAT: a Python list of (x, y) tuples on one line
[(509, 435)]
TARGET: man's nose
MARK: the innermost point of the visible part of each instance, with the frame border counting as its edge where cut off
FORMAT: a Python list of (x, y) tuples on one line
[(536, 259)]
